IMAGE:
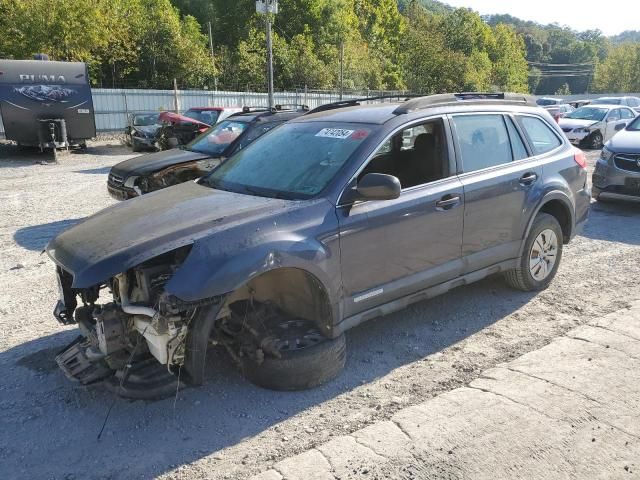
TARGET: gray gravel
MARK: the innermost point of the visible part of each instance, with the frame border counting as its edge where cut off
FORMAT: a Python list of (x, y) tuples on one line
[(229, 428)]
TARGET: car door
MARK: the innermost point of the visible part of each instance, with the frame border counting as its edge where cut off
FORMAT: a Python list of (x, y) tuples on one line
[(501, 180), (394, 248), (614, 124)]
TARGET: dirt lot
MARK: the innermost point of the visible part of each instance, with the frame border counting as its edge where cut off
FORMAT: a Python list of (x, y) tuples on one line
[(229, 428)]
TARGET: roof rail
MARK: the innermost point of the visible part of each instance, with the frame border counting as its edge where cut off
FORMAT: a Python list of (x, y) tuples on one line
[(466, 97), (355, 102), (292, 106)]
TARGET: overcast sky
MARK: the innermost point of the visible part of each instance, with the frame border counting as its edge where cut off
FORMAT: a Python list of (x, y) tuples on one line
[(611, 17)]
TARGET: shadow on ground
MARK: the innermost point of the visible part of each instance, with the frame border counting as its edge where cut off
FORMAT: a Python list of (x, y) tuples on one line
[(143, 439), (95, 171), (36, 237), (609, 221)]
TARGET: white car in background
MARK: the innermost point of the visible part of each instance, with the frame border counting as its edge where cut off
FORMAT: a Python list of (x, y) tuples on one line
[(593, 125), (632, 102)]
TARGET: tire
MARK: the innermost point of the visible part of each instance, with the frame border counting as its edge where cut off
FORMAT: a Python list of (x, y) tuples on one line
[(135, 147), (298, 369), (522, 277), (596, 142)]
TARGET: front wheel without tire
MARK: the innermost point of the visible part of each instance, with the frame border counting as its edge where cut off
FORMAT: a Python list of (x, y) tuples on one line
[(307, 359), (540, 257)]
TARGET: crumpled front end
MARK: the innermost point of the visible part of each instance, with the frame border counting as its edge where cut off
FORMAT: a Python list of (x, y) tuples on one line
[(132, 333)]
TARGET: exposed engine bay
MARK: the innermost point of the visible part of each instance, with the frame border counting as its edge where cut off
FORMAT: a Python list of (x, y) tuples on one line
[(137, 322)]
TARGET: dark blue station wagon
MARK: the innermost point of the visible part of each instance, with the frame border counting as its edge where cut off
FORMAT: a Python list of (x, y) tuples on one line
[(339, 216)]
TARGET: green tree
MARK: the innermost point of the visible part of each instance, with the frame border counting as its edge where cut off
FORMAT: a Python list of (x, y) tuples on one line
[(620, 71)]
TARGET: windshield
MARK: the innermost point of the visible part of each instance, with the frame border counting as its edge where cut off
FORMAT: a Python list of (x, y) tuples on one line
[(294, 161), (216, 140), (607, 101), (588, 113), (544, 102), (635, 125), (210, 117), (146, 120)]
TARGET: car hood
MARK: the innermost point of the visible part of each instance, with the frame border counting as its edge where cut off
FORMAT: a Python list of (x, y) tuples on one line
[(573, 123), (129, 233), (154, 162), (625, 142), (152, 129)]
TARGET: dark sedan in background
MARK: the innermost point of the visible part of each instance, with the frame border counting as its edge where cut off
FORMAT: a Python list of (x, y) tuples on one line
[(155, 171), (141, 130)]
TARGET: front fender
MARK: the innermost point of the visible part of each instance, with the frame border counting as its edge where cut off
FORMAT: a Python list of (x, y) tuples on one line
[(204, 275)]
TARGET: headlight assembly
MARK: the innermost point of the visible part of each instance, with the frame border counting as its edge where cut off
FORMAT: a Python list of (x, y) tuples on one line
[(606, 155)]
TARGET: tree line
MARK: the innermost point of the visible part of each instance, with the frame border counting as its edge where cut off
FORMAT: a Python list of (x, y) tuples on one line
[(422, 46)]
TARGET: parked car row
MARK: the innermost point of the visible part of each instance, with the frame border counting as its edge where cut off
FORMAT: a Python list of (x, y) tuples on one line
[(166, 130), (155, 171), (329, 219), (613, 125)]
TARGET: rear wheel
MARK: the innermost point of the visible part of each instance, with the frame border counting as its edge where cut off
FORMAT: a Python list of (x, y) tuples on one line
[(541, 256), (306, 358)]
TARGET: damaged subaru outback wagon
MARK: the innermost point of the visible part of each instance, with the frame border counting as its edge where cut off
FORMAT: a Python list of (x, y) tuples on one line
[(337, 217)]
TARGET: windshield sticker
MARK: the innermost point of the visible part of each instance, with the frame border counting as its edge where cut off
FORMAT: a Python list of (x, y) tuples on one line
[(338, 133), (360, 135)]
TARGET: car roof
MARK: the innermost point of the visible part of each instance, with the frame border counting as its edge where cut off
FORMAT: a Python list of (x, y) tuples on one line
[(381, 113), (207, 109), (607, 105), (377, 113), (267, 116)]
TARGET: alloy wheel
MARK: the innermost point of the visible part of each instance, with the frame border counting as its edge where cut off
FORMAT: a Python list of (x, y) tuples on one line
[(543, 255)]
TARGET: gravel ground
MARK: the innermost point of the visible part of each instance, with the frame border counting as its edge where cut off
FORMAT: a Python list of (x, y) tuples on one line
[(229, 428)]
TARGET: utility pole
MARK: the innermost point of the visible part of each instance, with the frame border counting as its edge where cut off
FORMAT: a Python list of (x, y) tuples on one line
[(268, 8), (210, 41), (341, 69), (270, 62), (213, 60)]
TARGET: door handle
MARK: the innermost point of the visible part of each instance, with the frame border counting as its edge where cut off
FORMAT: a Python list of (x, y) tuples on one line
[(447, 202), (528, 179)]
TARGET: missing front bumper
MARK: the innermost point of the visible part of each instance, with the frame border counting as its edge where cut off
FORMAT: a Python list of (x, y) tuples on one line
[(143, 379)]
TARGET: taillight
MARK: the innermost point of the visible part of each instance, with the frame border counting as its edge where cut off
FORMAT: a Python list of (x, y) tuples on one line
[(580, 158)]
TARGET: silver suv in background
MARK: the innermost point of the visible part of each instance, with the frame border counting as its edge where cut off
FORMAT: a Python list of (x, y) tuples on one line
[(617, 172), (631, 102)]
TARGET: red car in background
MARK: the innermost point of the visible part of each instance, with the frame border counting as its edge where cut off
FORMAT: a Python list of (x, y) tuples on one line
[(181, 129)]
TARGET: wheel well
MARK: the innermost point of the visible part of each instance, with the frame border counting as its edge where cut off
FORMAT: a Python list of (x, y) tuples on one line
[(295, 291), (559, 210)]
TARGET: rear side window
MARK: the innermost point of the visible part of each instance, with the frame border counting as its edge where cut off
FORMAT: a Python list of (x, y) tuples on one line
[(483, 141), (517, 145), (542, 138), (627, 114)]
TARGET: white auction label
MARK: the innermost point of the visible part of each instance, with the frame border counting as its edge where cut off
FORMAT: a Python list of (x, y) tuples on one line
[(335, 133)]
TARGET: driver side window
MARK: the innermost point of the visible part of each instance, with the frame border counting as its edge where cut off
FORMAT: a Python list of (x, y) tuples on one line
[(415, 155)]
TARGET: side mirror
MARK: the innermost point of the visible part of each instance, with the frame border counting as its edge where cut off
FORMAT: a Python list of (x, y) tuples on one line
[(620, 126), (378, 186)]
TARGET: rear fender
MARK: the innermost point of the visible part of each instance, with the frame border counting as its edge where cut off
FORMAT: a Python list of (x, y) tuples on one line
[(554, 195)]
